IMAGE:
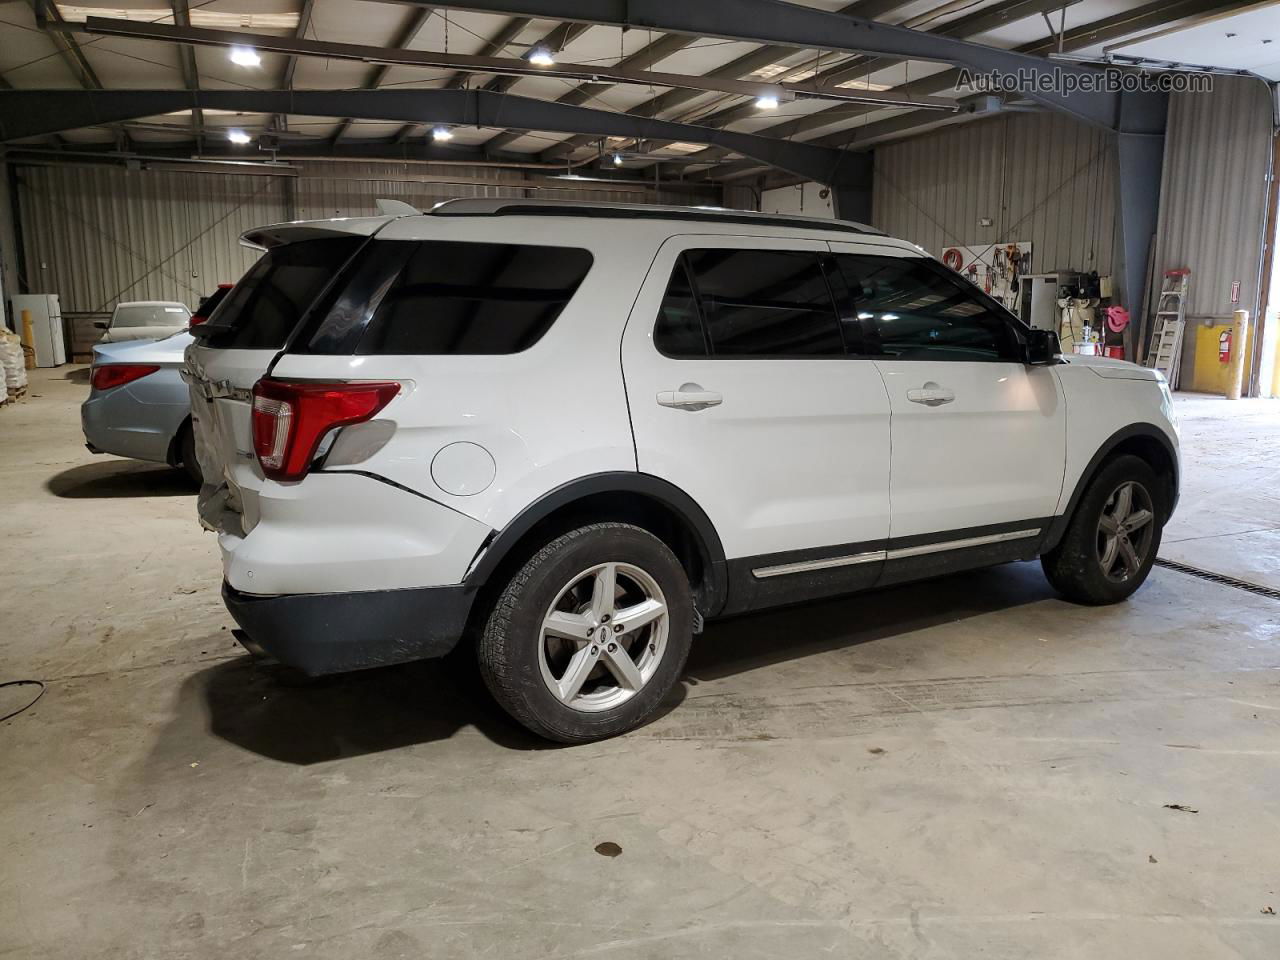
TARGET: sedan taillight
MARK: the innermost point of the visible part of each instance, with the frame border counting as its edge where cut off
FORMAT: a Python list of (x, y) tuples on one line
[(290, 418), (109, 375)]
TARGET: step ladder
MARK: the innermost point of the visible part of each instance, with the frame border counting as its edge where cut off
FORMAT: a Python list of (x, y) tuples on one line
[(1165, 352)]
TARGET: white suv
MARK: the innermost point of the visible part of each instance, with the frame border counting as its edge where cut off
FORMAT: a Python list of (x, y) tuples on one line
[(572, 433)]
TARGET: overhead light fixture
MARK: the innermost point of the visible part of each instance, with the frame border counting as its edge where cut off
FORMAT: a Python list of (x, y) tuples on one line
[(767, 102), (617, 159), (245, 57), (441, 134), (238, 136), (541, 57)]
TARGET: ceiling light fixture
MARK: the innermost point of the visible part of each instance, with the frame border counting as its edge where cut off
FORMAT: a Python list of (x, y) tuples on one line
[(541, 57), (767, 102), (238, 136), (441, 134), (245, 57)]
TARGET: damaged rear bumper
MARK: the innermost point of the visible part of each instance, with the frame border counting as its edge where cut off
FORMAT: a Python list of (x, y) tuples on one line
[(320, 633)]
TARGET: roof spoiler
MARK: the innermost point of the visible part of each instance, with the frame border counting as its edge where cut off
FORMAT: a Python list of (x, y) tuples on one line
[(396, 208)]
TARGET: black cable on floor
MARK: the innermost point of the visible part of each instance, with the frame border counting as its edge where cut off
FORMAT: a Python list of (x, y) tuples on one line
[(23, 683)]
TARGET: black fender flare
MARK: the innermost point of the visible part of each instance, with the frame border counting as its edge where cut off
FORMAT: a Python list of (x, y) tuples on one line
[(643, 484), (1147, 430)]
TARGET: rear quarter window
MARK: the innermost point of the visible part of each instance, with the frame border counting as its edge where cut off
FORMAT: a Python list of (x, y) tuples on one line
[(453, 297), (275, 294)]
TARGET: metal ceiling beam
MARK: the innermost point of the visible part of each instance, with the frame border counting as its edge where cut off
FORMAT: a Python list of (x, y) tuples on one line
[(441, 155), (510, 68), (403, 38), (970, 25), (32, 113), (291, 62), (642, 59), (743, 66), (555, 39), (894, 128), (1076, 38), (789, 24), (495, 45), (49, 18), (304, 24), (190, 70)]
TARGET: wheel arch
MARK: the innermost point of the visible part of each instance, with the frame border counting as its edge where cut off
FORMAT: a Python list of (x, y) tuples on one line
[(174, 455), (649, 502), (1143, 440)]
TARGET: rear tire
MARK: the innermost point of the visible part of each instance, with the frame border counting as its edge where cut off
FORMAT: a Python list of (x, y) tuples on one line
[(187, 454), (590, 635), (1112, 538)]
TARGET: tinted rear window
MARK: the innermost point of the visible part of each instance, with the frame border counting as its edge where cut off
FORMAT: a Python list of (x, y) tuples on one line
[(471, 298), (679, 329), (150, 315), (765, 303), (265, 306)]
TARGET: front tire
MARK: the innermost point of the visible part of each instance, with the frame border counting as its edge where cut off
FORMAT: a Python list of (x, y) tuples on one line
[(1113, 536), (590, 635)]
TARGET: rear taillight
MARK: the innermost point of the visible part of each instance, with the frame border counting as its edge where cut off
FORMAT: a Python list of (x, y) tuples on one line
[(110, 375), (196, 320), (290, 418)]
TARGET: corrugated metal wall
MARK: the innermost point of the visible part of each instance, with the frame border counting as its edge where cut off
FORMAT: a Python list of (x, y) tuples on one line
[(1213, 194), (97, 235), (1038, 176)]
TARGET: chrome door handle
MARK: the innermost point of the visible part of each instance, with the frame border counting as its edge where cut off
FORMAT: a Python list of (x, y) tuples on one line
[(931, 395), (689, 397)]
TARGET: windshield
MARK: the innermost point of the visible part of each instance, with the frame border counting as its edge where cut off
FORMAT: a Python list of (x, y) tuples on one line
[(150, 315)]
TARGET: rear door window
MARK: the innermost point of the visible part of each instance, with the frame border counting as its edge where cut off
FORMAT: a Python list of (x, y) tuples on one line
[(471, 298), (912, 308), (273, 296), (765, 303), (679, 333)]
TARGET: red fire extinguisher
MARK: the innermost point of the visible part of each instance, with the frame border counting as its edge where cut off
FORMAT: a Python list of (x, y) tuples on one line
[(1224, 346)]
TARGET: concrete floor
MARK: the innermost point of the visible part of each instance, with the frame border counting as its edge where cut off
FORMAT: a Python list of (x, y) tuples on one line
[(965, 768)]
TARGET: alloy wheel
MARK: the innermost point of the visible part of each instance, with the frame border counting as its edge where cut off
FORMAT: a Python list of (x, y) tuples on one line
[(1125, 531), (603, 637)]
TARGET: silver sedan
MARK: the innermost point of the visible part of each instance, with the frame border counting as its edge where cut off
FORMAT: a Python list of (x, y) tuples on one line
[(138, 405)]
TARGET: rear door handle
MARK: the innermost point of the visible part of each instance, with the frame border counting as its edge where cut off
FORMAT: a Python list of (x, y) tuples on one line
[(689, 397), (931, 395)]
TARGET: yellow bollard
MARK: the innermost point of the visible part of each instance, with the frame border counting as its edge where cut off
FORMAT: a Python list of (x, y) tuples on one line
[(28, 341), (1239, 341)]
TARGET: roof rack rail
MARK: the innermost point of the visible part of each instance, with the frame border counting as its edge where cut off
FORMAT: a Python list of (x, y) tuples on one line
[(636, 211)]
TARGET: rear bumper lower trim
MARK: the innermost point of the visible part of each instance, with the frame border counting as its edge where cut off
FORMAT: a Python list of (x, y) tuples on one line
[(321, 633)]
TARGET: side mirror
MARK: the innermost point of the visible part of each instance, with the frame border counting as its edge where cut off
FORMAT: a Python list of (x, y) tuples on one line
[(102, 324), (1042, 347)]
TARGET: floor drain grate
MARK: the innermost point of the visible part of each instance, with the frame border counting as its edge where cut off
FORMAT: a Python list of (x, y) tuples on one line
[(1219, 578)]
